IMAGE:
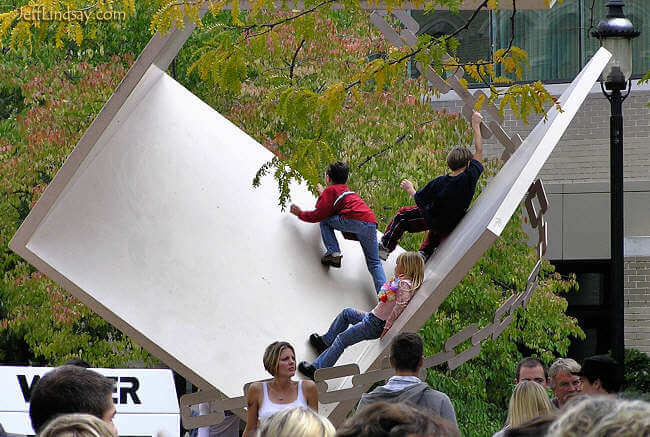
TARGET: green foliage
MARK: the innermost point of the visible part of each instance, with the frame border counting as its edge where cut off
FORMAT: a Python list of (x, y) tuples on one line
[(39, 321), (645, 79), (57, 327), (101, 42), (11, 101), (637, 373), (522, 99), (28, 23)]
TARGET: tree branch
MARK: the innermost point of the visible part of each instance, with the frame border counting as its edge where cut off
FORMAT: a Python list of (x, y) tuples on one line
[(468, 22), (183, 3), (416, 51), (591, 17), (512, 27), (270, 26), (293, 60), (398, 140)]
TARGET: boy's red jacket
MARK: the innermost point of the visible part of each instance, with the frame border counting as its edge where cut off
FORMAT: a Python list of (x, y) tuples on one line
[(350, 206)]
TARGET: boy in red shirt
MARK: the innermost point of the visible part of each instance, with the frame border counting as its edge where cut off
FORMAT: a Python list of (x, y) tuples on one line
[(339, 208)]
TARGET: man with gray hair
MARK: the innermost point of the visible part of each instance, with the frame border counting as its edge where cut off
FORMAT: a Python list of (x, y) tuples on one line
[(564, 383)]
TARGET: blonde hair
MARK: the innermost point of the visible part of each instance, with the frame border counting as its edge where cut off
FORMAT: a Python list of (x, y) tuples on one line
[(600, 416), (77, 425), (629, 419), (562, 365), (272, 355), (411, 265), (296, 422), (528, 400)]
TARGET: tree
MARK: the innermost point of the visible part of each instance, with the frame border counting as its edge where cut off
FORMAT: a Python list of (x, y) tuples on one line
[(35, 312), (27, 23)]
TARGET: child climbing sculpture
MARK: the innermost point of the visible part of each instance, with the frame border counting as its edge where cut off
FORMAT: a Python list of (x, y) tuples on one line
[(442, 203), (339, 208), (352, 326)]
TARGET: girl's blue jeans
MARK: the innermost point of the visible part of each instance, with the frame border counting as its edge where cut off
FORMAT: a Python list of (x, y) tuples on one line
[(348, 328)]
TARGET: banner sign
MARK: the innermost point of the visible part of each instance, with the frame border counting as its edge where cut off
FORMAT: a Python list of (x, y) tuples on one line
[(145, 400)]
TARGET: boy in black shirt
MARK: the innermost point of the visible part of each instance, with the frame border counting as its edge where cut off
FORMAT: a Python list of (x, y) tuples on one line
[(442, 203)]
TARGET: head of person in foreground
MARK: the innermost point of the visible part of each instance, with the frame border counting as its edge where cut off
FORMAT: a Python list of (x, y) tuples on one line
[(406, 353), (411, 266), (280, 359), (77, 425), (383, 419), (528, 401), (71, 389), (603, 416), (564, 383), (297, 422), (601, 375), (532, 369)]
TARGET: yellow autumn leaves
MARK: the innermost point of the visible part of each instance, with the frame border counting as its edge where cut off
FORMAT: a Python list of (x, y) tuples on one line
[(71, 20)]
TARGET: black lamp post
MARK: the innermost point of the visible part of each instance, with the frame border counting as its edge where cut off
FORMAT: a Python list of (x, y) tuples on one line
[(615, 33)]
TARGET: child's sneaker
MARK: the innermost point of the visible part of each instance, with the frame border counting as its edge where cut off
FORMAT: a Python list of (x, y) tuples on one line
[(317, 343), (330, 259), (383, 252), (307, 369)]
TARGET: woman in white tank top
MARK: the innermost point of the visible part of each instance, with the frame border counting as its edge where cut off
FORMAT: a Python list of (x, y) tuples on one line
[(268, 397)]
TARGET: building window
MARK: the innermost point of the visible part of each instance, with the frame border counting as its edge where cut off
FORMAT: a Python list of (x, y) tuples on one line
[(551, 39), (557, 40), (475, 43)]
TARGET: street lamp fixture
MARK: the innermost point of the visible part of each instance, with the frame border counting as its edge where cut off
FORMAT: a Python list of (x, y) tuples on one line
[(615, 33)]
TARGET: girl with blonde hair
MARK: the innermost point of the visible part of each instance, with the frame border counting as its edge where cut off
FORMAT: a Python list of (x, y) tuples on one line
[(352, 326), (77, 425), (528, 401), (268, 397), (297, 422)]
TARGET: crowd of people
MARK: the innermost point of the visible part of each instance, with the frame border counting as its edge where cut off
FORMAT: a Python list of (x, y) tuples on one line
[(405, 405), (74, 401)]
